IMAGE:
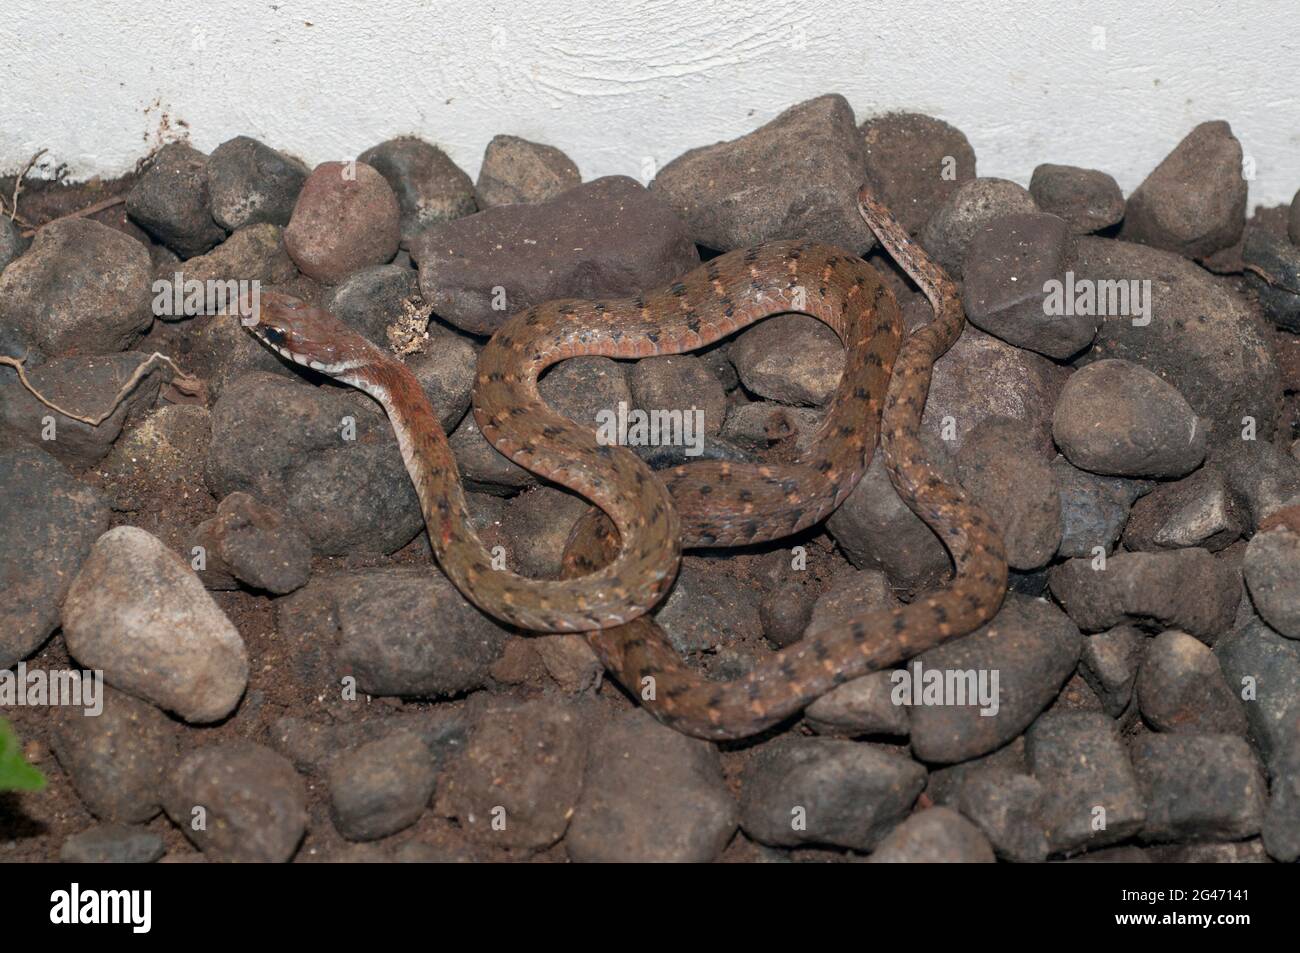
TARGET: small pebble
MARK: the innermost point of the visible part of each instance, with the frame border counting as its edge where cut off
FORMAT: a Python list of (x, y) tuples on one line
[(381, 787), (430, 188), (112, 844), (948, 233)]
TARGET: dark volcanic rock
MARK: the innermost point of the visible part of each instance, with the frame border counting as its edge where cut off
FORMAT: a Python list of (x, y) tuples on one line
[(249, 182), (430, 188), (171, 201), (950, 230), (915, 163), (1087, 199), (1199, 787)]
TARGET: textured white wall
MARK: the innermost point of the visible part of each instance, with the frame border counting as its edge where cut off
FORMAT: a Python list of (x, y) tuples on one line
[(621, 84)]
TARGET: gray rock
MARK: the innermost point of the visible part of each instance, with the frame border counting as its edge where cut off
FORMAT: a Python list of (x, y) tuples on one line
[(1278, 287), (1263, 668), (824, 791), (1281, 828), (1199, 787), (536, 525), (1194, 201), (1005, 476), (82, 288), (1181, 689), (48, 524), (1110, 662), (12, 243), (680, 382), (585, 387), (863, 706), (936, 836), (1006, 805), (1118, 418), (117, 760), (1196, 511), (518, 781), (1203, 338), (249, 182), (1185, 589), (756, 426), (112, 844), (1015, 276), (1094, 509), (516, 171), (371, 299), (650, 795), (483, 468), (171, 201), (430, 188), (1087, 199), (1272, 572), (795, 177), (313, 746), (606, 238), (382, 787), (948, 233), (792, 359), (915, 163), (254, 544), (346, 218), (1030, 645), (708, 607), (1293, 220), (1263, 479), (1091, 796), (238, 802), (137, 612)]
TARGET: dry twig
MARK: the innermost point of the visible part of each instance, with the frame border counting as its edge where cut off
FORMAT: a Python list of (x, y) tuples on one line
[(182, 380)]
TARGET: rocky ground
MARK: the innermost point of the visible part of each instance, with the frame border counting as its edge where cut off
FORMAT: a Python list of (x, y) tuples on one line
[(315, 690)]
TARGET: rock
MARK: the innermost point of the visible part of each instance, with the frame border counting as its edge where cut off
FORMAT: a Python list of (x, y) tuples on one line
[(381, 787), (795, 177), (1181, 689), (1015, 275), (915, 163), (1195, 511), (824, 791), (482, 467), (1272, 572), (254, 253), (160, 458), (1016, 487), (1006, 807), (518, 781), (1194, 202), (314, 746), (1118, 418), (1278, 287), (117, 759), (537, 523), (1094, 509), (1087, 199), (651, 795), (708, 608), (1091, 796), (381, 620), (1199, 787), (346, 218), (1263, 480), (1202, 337), (758, 425), (584, 388), (112, 844), (1263, 668), (249, 183), (171, 201), (570, 661), (48, 524), (876, 530), (224, 352), (948, 233), (1185, 589), (371, 299), (982, 377), (1246, 852), (792, 358), (327, 460), (851, 593), (86, 386), (1281, 827), (1110, 662), (12, 244), (82, 288), (682, 383), (606, 238), (516, 171), (254, 544), (1293, 220), (137, 612), (253, 804), (936, 836), (1030, 647), (430, 188), (862, 706)]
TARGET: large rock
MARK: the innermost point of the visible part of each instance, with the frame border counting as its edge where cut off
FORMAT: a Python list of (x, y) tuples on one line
[(82, 288), (137, 612), (606, 238), (171, 201), (796, 177), (915, 163), (429, 187), (346, 218), (249, 182), (48, 524)]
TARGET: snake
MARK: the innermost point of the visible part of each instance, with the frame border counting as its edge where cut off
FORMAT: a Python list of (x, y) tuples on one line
[(622, 558)]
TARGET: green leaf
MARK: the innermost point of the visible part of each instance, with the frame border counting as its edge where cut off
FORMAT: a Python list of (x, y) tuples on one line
[(15, 773)]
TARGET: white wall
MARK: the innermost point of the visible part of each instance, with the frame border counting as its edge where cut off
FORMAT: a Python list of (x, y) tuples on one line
[(98, 82)]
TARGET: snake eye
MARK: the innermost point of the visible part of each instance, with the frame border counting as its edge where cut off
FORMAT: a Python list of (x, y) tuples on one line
[(274, 336)]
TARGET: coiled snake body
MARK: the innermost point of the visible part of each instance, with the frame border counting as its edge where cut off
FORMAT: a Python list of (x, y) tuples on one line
[(622, 558)]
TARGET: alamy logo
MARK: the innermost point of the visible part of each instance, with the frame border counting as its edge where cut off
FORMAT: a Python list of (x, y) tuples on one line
[(1105, 298), (655, 428), (75, 905), (181, 297), (66, 688), (928, 687)]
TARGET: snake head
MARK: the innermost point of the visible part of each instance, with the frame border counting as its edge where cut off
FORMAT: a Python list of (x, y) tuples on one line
[(304, 334)]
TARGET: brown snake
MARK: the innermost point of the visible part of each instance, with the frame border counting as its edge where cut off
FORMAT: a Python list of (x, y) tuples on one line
[(622, 558)]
